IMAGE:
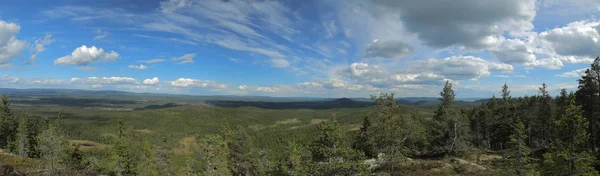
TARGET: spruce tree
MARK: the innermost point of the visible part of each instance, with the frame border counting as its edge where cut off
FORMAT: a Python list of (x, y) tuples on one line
[(211, 156), (123, 160), (519, 154), (22, 141), (449, 129), (569, 154), (364, 141), (545, 115), (8, 125), (51, 145)]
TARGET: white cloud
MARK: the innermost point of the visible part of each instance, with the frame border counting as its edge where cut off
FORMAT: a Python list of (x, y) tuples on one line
[(40, 46), (10, 46), (152, 81), (267, 89), (242, 87), (464, 67), (578, 41), (514, 51), (187, 58), (152, 61), (138, 67), (549, 63), (46, 81), (9, 79), (187, 82), (84, 56), (279, 63), (573, 74), (105, 80), (100, 34)]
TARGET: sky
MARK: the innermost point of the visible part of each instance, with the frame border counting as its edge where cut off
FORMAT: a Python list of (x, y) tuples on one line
[(312, 48)]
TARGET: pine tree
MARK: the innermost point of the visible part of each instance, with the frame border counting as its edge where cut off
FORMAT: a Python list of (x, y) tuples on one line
[(330, 153), (147, 165), (588, 96), (163, 162), (123, 160), (243, 156), (569, 154), (51, 145), (364, 142), (519, 154), (293, 164), (211, 157), (8, 125), (449, 129), (545, 115), (22, 133)]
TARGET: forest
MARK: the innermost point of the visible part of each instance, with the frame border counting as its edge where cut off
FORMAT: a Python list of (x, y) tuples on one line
[(530, 135)]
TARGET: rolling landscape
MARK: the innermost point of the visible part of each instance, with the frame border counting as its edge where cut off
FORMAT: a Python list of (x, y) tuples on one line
[(300, 88)]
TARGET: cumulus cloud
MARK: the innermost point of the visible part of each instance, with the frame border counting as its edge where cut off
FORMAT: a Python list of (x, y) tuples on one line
[(464, 67), (40, 47), (152, 61), (105, 80), (242, 87), (187, 58), (580, 39), (84, 56), (469, 23), (187, 82), (152, 81), (279, 63), (138, 67), (10, 46), (573, 74), (514, 51), (388, 49), (100, 34)]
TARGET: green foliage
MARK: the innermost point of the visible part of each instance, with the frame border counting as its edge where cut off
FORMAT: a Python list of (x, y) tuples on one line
[(211, 156), (519, 154), (364, 142), (51, 149), (449, 129), (8, 125), (122, 156), (569, 154)]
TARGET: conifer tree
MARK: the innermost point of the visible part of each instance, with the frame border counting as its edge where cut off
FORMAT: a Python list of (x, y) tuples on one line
[(22, 133), (51, 145), (243, 156), (449, 131), (8, 125), (123, 160), (569, 154), (519, 154), (364, 142), (147, 165), (163, 162), (545, 115), (293, 164), (211, 157)]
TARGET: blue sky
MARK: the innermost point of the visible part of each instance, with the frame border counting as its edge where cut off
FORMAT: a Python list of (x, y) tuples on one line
[(329, 48)]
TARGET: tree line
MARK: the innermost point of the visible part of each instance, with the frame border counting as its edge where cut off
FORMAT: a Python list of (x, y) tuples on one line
[(537, 134)]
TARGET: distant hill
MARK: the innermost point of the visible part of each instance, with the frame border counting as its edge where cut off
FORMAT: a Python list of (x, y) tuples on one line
[(330, 104)]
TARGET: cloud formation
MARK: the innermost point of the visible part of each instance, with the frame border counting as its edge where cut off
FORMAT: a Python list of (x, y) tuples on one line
[(152, 61), (188, 82), (39, 45), (138, 67), (388, 49), (185, 59), (83, 56), (10, 46), (152, 81)]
